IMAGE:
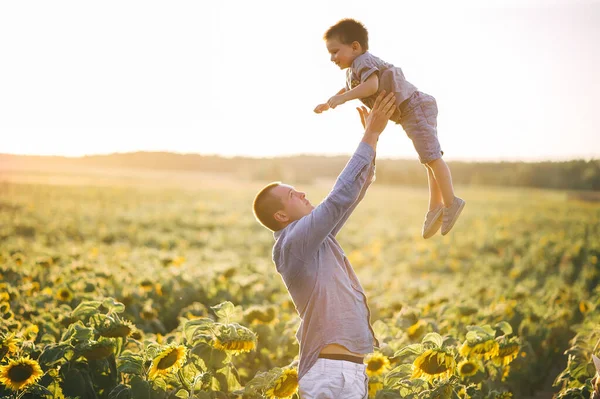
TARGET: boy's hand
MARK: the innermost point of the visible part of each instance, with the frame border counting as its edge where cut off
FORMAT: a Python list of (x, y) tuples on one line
[(321, 107), (335, 101)]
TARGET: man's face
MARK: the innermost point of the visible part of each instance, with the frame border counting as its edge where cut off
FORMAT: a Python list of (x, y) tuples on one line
[(295, 204), (342, 54)]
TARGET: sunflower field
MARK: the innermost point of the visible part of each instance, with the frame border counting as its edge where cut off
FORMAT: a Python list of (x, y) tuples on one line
[(122, 291)]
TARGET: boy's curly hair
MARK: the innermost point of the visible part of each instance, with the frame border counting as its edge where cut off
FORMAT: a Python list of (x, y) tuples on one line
[(349, 30)]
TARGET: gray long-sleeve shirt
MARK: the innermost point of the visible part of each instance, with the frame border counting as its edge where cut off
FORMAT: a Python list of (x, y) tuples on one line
[(325, 290)]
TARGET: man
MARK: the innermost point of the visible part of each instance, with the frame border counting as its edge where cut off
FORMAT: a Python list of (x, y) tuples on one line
[(335, 331)]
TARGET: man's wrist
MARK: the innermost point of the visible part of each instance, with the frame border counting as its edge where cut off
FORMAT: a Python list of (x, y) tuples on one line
[(371, 138)]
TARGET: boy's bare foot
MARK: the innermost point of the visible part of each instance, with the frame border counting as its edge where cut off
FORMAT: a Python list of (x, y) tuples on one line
[(451, 214)]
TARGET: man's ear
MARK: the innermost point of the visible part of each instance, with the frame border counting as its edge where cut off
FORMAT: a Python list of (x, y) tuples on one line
[(281, 216), (356, 46)]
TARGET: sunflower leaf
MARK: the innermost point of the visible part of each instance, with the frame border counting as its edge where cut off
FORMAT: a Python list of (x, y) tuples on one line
[(232, 380), (54, 353), (131, 364), (86, 309), (121, 391), (414, 349), (434, 338), (400, 372), (183, 394), (193, 329), (224, 310), (78, 332), (505, 327), (140, 388), (113, 305)]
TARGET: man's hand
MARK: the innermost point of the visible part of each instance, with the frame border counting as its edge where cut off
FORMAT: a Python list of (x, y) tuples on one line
[(336, 100), (376, 120), (321, 107)]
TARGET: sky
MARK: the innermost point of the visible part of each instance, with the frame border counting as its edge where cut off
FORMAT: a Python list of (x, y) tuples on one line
[(513, 80)]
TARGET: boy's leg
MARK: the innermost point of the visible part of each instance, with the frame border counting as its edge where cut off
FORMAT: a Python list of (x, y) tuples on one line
[(435, 194), (433, 218), (443, 179), (453, 205)]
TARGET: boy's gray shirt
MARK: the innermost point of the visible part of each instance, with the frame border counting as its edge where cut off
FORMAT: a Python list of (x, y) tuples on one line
[(324, 288), (391, 79)]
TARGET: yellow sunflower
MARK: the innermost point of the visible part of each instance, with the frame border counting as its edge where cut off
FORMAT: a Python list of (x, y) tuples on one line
[(169, 360), (483, 350), (21, 373), (8, 344), (4, 307), (468, 368), (285, 386), (507, 353), (31, 332), (417, 330), (260, 315), (117, 329), (433, 364), (235, 339), (64, 294), (97, 350), (377, 363), (235, 346)]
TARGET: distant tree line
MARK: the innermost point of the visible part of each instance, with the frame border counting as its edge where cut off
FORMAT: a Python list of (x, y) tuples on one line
[(567, 175)]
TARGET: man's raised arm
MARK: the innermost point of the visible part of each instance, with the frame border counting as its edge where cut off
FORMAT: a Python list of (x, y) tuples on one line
[(310, 231), (364, 113)]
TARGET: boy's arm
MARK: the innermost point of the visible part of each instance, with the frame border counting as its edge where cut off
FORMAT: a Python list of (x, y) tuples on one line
[(324, 107), (365, 89)]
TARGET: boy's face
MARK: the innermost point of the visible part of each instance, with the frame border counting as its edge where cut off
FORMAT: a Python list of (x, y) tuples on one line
[(342, 54)]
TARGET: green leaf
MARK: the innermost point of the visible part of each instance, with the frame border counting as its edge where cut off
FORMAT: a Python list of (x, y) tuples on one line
[(399, 372), (214, 359), (196, 329), (505, 327), (414, 349), (160, 383), (434, 338), (224, 310), (222, 378), (232, 381), (472, 336), (113, 305), (78, 332), (121, 391), (182, 393), (86, 309), (131, 364), (140, 389), (54, 353), (54, 389)]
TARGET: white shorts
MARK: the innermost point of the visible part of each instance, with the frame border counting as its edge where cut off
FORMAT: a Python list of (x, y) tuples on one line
[(332, 379)]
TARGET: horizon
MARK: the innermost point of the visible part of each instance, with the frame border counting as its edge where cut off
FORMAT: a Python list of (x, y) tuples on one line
[(157, 79), (326, 155)]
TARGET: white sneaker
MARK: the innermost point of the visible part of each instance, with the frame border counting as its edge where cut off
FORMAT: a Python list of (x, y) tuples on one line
[(451, 214), (433, 221)]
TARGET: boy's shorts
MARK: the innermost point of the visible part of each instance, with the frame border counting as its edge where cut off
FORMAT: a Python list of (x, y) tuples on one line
[(419, 121)]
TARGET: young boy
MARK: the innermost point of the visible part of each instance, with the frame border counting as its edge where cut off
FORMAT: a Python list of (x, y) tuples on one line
[(366, 76)]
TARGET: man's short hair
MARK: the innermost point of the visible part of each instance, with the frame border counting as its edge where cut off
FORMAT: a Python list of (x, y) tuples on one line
[(347, 31), (265, 205)]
